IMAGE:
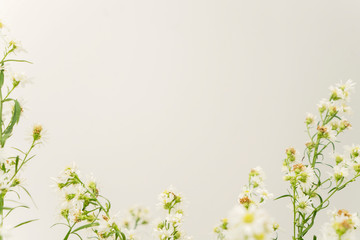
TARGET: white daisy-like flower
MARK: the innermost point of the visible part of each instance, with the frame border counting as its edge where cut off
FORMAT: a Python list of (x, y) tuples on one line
[(251, 223), (340, 171), (174, 218), (264, 194), (16, 46), (344, 108), (336, 93), (256, 181), (338, 158), (323, 105), (167, 196), (353, 150), (163, 233), (67, 173), (18, 79), (310, 119), (130, 234), (307, 178), (106, 224), (303, 203), (342, 226), (346, 88)]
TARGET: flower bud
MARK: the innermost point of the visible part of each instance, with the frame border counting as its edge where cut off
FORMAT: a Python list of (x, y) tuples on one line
[(37, 132)]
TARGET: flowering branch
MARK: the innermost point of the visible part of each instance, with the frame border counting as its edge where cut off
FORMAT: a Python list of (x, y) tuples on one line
[(10, 113)]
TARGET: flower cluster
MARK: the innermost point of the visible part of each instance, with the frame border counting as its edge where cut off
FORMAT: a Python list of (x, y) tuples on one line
[(342, 225), (12, 163), (170, 227), (296, 172), (254, 192), (247, 220), (306, 180), (83, 205), (332, 121), (347, 166)]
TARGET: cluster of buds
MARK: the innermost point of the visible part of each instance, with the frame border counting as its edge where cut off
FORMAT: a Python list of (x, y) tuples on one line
[(291, 158), (221, 229), (170, 227), (296, 172), (342, 225), (300, 174), (77, 198), (255, 192), (137, 216), (332, 123)]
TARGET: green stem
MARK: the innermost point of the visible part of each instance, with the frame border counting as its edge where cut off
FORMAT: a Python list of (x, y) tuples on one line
[(69, 232), (318, 208), (294, 207), (24, 160), (315, 151), (3, 100)]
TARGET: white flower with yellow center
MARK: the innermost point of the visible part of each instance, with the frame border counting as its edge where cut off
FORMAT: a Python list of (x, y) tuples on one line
[(342, 226), (340, 171), (323, 105), (336, 93), (346, 88), (303, 203), (252, 223), (310, 119), (264, 194)]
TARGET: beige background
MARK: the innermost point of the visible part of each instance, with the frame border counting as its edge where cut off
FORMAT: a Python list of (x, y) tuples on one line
[(193, 93)]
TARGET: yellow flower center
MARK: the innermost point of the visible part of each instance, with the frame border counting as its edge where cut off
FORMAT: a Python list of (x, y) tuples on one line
[(248, 218)]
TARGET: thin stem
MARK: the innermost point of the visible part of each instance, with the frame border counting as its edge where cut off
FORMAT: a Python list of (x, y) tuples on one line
[(3, 100), (294, 207), (24, 160)]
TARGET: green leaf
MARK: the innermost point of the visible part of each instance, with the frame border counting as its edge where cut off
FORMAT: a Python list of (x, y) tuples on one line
[(14, 120), (12, 209), (59, 224), (16, 163), (78, 236), (16, 60), (283, 196), (26, 222), (86, 226), (123, 235), (28, 193)]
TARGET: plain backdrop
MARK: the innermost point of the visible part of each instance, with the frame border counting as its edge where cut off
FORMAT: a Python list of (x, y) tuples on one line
[(193, 93)]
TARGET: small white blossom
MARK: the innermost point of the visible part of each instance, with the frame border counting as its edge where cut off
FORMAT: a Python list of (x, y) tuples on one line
[(342, 226), (310, 119), (252, 223), (340, 171), (304, 203)]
